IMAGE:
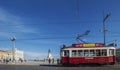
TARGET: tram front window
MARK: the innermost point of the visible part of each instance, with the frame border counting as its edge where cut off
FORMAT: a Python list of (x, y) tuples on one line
[(66, 53), (111, 52)]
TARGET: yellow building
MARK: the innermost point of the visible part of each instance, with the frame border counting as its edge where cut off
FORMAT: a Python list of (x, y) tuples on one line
[(5, 54), (8, 54)]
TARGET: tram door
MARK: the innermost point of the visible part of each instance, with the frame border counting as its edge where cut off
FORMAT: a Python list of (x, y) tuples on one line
[(112, 53), (66, 53)]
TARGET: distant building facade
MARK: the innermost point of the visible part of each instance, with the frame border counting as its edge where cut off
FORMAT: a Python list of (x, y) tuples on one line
[(8, 55), (49, 55), (49, 58), (5, 54), (19, 55)]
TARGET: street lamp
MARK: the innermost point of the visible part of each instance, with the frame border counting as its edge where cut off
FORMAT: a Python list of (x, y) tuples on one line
[(13, 39), (104, 29)]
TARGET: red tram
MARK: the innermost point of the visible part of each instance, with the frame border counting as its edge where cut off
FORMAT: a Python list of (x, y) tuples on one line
[(92, 53)]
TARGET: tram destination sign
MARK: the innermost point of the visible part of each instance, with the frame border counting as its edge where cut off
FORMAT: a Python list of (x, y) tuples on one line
[(88, 45)]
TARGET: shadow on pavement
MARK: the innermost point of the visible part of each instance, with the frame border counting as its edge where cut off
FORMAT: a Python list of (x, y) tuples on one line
[(59, 65)]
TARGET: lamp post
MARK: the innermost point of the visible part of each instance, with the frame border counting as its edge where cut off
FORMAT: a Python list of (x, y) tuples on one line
[(13, 39), (104, 29)]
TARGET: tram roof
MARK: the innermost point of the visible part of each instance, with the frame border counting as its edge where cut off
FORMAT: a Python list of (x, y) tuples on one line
[(88, 46), (85, 48)]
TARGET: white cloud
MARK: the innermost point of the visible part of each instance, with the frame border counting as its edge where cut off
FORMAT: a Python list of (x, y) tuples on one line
[(12, 25)]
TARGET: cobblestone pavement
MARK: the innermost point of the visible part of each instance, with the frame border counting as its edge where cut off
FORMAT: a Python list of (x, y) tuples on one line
[(34, 67), (28, 63), (31, 65)]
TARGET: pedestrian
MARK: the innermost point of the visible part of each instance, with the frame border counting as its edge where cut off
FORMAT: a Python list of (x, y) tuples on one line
[(4, 60), (58, 61), (49, 60), (53, 60)]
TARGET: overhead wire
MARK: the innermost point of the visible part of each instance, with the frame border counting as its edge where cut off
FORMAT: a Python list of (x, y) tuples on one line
[(64, 22)]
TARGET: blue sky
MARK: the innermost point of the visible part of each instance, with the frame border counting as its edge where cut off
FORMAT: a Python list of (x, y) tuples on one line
[(40, 25)]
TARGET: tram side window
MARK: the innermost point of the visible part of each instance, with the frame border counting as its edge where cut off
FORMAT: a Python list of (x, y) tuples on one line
[(66, 53), (98, 53), (104, 52), (80, 53), (74, 53), (86, 53), (92, 53)]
